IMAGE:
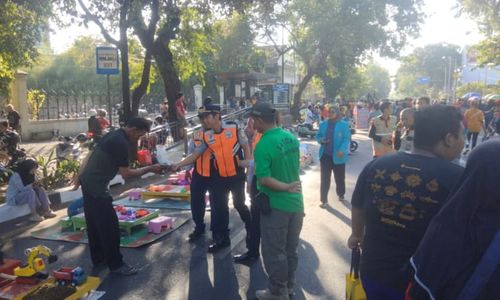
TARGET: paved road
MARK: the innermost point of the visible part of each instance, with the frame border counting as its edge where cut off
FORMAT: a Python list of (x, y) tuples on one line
[(175, 269)]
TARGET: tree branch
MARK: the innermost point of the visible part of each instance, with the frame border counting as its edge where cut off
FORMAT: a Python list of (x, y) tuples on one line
[(95, 19)]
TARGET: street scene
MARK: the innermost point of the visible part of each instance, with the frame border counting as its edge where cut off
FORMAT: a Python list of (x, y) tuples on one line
[(249, 150)]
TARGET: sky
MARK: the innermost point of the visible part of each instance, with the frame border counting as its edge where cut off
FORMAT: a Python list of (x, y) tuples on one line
[(440, 26)]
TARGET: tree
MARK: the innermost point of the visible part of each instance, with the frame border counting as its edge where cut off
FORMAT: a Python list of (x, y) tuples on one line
[(478, 87), (331, 36), (21, 24), (487, 15), (432, 61), (369, 79)]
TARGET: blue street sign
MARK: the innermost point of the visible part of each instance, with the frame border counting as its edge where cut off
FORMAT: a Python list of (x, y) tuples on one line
[(107, 60), (280, 87), (424, 80)]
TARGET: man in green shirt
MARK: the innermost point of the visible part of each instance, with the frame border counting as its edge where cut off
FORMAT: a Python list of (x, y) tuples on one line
[(277, 169)]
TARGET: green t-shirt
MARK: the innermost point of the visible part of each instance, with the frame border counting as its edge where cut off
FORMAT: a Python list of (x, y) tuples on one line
[(277, 155)]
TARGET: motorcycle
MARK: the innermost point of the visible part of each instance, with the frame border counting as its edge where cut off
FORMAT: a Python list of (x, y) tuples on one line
[(69, 147), (306, 130), (353, 146)]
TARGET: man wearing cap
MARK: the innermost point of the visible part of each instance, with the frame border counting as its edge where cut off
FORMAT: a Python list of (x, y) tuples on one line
[(229, 145), (200, 183), (277, 169)]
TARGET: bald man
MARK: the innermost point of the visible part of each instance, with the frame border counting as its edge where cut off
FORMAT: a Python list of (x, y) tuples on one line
[(403, 134)]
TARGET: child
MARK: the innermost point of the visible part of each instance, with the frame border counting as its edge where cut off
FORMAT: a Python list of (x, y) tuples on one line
[(24, 188)]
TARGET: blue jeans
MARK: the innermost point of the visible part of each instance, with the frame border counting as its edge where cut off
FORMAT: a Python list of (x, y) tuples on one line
[(377, 291)]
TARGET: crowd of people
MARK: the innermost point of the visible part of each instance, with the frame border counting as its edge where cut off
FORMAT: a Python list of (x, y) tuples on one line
[(422, 221)]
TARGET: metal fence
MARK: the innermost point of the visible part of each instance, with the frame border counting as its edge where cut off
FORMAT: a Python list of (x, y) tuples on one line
[(76, 104)]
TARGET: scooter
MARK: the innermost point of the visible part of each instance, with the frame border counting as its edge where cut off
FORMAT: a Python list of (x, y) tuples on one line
[(68, 148), (306, 130)]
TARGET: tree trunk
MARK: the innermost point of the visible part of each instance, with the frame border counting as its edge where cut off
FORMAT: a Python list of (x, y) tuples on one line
[(297, 101), (123, 45), (171, 82), (141, 90)]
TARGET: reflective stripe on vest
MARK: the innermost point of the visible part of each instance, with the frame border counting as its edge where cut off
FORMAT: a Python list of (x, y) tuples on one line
[(256, 139), (226, 149), (202, 164)]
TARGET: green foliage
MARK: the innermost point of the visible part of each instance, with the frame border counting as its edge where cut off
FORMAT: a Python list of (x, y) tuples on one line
[(56, 174), (21, 23), (35, 99), (478, 87), (430, 61), (74, 69), (5, 176), (486, 13), (369, 79)]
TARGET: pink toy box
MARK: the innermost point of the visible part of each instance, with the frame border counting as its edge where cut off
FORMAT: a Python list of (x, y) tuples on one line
[(156, 225)]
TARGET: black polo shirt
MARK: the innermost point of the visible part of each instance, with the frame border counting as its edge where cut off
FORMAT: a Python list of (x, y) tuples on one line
[(110, 154)]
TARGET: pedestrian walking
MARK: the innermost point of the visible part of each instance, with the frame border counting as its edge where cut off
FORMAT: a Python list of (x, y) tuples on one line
[(457, 239), (422, 102), (404, 133), (111, 156), (180, 110), (381, 130), (334, 136), (474, 120), (397, 195), (14, 118), (277, 168)]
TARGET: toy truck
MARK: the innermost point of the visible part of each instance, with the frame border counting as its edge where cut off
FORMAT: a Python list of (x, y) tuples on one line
[(70, 276)]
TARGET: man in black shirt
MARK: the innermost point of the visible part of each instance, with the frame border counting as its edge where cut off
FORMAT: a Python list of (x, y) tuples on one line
[(107, 159), (397, 195)]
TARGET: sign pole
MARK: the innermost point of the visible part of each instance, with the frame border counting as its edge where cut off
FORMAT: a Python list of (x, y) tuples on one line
[(110, 109)]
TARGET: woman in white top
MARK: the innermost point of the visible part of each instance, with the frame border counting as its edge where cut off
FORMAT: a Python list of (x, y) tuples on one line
[(24, 188)]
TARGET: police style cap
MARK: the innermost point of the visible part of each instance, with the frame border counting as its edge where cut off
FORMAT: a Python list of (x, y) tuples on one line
[(208, 109), (262, 109)]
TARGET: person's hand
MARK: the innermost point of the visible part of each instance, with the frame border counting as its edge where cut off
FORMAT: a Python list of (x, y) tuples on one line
[(400, 125), (354, 241), (37, 183), (295, 187), (156, 168), (340, 154)]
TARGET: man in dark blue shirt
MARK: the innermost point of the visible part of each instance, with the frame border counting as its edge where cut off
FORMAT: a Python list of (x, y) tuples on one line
[(397, 195), (107, 159)]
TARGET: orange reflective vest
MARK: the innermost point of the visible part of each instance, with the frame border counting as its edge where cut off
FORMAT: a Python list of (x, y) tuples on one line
[(256, 139), (225, 148), (202, 164)]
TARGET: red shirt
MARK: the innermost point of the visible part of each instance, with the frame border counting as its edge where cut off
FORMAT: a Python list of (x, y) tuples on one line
[(103, 122), (180, 107)]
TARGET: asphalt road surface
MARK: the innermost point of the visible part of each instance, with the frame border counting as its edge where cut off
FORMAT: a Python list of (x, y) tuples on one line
[(172, 268)]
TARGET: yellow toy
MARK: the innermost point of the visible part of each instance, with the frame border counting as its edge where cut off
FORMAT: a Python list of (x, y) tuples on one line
[(34, 264)]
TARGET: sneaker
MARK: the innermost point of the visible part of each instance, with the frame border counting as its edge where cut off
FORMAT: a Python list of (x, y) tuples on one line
[(245, 258), (323, 205), (36, 218), (125, 270), (49, 214), (267, 295)]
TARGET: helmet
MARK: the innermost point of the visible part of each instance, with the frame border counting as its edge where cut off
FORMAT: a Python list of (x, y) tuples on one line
[(92, 113)]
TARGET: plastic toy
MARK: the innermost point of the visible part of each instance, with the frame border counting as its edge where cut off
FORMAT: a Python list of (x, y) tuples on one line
[(135, 194), (69, 275), (156, 225), (34, 265), (141, 212)]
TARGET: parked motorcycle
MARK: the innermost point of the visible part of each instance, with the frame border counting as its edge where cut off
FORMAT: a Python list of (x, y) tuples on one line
[(306, 130), (69, 147)]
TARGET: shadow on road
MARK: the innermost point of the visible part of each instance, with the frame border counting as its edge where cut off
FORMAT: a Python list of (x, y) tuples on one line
[(225, 285), (307, 279), (339, 215)]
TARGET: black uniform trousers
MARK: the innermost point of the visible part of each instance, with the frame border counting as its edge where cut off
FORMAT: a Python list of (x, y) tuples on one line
[(102, 230), (253, 244), (327, 166), (199, 187), (220, 210)]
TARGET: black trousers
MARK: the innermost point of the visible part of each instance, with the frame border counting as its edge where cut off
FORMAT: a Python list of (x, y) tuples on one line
[(199, 187), (253, 243), (220, 210), (474, 136), (327, 166), (102, 230)]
